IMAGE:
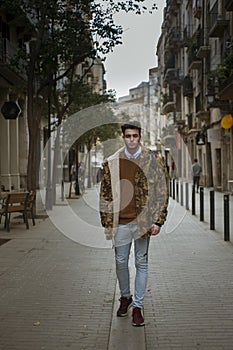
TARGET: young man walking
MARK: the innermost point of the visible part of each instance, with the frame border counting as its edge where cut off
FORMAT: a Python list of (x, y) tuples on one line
[(133, 207)]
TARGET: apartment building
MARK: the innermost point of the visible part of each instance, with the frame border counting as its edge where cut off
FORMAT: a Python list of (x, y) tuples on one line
[(142, 104), (195, 72), (14, 33)]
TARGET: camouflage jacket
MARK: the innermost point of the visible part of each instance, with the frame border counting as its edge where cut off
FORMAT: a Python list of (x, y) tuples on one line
[(151, 193)]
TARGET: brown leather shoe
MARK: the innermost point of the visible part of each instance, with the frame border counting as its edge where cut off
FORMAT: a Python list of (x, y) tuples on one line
[(138, 319), (125, 304)]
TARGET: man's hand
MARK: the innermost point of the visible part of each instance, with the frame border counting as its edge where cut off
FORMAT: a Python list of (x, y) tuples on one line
[(155, 229), (108, 233)]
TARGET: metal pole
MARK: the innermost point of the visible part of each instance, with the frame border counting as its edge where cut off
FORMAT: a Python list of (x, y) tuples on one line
[(62, 190), (77, 189), (89, 170), (226, 217), (177, 191), (187, 196), (201, 204), (181, 194), (193, 201), (212, 209), (174, 189)]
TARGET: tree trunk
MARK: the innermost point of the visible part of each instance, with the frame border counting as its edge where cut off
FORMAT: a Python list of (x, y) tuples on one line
[(33, 128), (77, 189), (57, 173), (34, 118)]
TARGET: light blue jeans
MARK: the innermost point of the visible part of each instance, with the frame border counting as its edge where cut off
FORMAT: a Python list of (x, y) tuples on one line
[(123, 241)]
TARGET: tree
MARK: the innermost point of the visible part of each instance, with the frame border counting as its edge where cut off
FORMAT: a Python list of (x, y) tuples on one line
[(82, 98), (63, 34)]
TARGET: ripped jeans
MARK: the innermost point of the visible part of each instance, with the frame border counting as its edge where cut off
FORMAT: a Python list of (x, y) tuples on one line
[(123, 241)]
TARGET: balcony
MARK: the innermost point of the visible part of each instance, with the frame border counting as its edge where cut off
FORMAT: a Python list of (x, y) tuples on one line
[(173, 5), (169, 104), (218, 28), (187, 86), (173, 38), (212, 84), (217, 24), (229, 5), (169, 63), (178, 119), (203, 50), (11, 75), (173, 77), (200, 112), (203, 115), (167, 17), (169, 136), (190, 121), (8, 51), (193, 60), (197, 8), (226, 89), (220, 82), (187, 36)]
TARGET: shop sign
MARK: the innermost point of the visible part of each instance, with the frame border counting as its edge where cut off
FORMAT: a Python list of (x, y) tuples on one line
[(10, 110), (214, 135)]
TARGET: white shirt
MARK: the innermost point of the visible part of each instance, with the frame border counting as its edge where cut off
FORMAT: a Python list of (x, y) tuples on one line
[(134, 155)]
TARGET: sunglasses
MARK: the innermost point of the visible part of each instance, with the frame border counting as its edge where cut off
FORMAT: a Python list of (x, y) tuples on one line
[(129, 136)]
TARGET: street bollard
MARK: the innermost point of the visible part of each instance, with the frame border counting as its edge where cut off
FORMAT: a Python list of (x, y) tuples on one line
[(212, 208), (174, 188), (181, 194), (226, 217), (177, 191), (62, 190), (187, 196), (193, 201), (201, 204)]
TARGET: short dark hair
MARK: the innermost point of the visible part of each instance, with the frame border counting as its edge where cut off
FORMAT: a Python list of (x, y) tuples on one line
[(195, 160), (134, 124)]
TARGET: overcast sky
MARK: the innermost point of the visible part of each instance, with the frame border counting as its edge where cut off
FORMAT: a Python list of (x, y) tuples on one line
[(128, 65)]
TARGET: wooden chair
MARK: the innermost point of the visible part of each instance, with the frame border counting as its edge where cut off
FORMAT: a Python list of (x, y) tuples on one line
[(15, 203)]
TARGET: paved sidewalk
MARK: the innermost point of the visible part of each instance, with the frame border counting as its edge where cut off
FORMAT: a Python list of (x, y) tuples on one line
[(59, 294)]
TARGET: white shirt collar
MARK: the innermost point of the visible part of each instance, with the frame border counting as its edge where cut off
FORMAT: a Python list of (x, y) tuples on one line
[(134, 155)]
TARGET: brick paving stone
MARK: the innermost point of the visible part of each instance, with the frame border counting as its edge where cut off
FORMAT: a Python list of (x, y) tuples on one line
[(57, 294), (123, 335), (189, 301)]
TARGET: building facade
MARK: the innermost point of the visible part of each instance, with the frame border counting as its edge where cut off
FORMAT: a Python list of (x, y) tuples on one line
[(13, 116), (145, 108), (195, 68)]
